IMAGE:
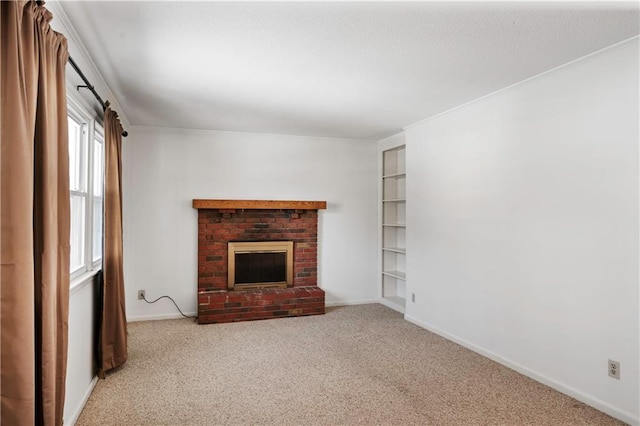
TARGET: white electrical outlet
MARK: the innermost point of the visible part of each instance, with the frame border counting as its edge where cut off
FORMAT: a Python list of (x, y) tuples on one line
[(141, 294), (614, 369)]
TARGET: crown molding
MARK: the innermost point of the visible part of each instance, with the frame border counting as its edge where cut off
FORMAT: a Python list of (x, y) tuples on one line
[(605, 50), (77, 49)]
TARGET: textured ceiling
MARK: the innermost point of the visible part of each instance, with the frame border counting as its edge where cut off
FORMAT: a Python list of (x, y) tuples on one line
[(338, 69)]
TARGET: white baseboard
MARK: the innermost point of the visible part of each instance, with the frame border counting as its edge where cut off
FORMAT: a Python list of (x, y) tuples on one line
[(350, 302), (560, 387), (76, 414), (160, 317)]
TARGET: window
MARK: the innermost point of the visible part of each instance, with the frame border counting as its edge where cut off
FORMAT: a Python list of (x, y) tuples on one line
[(78, 193), (98, 183), (86, 179)]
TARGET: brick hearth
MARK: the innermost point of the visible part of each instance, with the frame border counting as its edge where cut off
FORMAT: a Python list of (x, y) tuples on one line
[(219, 224)]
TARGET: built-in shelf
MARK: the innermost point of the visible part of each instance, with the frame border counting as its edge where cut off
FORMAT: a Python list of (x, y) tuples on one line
[(393, 228), (395, 302), (394, 176), (395, 250), (395, 274)]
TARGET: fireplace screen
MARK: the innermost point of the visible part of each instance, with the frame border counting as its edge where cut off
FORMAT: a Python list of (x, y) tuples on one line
[(260, 264)]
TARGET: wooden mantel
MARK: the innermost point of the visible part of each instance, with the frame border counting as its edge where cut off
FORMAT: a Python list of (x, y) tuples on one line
[(259, 204)]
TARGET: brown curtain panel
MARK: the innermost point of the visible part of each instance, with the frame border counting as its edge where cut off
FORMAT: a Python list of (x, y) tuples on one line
[(35, 219), (113, 333)]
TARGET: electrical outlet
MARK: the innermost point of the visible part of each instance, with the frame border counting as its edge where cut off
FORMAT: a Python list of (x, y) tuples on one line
[(614, 369), (413, 298), (141, 294)]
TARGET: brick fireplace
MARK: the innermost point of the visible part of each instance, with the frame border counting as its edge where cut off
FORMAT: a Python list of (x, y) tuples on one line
[(221, 222)]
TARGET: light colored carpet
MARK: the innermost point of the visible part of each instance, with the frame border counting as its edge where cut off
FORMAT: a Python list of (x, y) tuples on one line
[(356, 365)]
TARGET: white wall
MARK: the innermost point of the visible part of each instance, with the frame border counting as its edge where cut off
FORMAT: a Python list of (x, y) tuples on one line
[(164, 169), (81, 365), (523, 227)]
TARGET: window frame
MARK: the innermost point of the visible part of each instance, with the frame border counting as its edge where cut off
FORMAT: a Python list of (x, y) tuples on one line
[(98, 137), (89, 125)]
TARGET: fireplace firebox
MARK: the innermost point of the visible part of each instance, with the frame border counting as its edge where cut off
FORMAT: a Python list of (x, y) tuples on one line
[(260, 264)]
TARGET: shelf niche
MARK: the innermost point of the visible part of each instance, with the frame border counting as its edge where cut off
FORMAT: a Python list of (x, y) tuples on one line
[(393, 228)]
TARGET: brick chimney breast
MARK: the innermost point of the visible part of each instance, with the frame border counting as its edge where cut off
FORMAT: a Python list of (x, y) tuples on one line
[(219, 226)]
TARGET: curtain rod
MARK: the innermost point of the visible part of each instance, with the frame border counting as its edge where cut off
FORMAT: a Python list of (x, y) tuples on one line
[(90, 87)]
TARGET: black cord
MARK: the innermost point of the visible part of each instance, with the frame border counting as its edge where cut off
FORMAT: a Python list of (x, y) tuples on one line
[(174, 302)]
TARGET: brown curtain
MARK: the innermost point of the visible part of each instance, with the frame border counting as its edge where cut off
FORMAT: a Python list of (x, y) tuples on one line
[(35, 219), (113, 333)]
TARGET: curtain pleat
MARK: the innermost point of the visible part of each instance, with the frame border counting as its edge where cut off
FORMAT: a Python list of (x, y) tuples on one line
[(113, 335), (19, 82), (51, 223), (35, 220)]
